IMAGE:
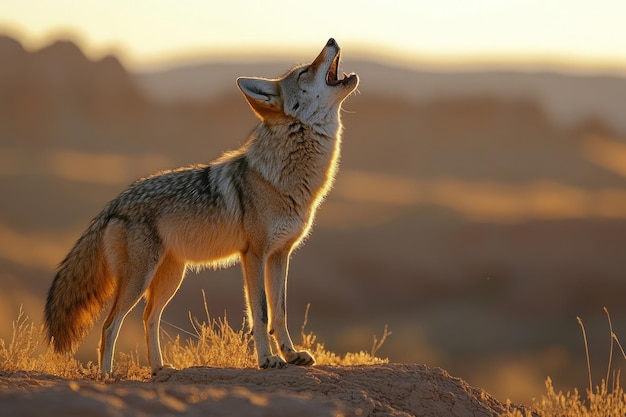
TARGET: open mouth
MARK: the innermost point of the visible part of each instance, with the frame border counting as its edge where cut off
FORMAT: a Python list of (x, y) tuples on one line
[(331, 76)]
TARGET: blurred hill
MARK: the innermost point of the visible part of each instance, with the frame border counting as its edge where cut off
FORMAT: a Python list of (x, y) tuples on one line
[(477, 214), (565, 98)]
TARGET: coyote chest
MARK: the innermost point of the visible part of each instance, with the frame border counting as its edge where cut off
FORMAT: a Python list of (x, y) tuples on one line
[(214, 239), (209, 215)]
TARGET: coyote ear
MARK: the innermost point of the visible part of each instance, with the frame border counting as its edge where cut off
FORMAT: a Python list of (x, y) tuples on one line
[(262, 94)]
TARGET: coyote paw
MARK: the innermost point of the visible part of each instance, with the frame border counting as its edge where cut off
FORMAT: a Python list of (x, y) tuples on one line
[(163, 373), (273, 361), (302, 358)]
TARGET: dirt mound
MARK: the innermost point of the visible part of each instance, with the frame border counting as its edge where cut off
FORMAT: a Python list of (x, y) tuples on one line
[(379, 390)]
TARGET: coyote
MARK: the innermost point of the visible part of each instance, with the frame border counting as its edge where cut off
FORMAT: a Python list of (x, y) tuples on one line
[(255, 205)]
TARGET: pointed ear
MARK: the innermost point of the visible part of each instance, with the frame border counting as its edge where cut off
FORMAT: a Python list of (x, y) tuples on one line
[(262, 94)]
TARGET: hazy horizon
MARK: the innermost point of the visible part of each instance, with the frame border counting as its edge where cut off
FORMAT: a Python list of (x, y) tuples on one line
[(485, 34), (254, 57)]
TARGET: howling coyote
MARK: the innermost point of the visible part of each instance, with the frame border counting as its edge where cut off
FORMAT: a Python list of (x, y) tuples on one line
[(255, 204)]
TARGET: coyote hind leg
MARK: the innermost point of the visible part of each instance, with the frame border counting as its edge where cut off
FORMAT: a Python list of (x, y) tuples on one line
[(164, 285), (133, 254), (127, 297)]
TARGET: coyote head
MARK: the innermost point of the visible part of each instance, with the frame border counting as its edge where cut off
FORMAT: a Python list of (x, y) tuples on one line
[(312, 92)]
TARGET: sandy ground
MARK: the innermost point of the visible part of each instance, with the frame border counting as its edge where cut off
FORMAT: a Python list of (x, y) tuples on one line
[(379, 390)]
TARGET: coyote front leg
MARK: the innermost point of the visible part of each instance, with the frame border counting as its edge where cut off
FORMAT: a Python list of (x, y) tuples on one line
[(253, 268), (277, 268)]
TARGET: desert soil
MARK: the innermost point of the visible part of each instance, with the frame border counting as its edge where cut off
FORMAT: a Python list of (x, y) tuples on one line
[(377, 390)]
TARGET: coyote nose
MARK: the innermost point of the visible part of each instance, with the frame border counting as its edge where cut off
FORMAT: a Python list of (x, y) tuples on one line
[(331, 42)]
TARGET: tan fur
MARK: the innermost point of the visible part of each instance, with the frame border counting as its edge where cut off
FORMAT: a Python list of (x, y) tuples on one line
[(254, 205)]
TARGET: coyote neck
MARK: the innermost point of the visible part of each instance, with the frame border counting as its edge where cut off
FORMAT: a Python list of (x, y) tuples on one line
[(295, 158)]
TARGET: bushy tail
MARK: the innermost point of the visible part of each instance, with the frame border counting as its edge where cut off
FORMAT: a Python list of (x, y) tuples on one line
[(80, 290)]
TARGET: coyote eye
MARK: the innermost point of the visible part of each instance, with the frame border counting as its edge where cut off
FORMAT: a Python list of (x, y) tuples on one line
[(302, 72)]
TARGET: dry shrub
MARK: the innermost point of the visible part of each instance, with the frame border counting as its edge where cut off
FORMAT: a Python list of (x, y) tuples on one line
[(601, 401), (27, 351), (324, 357), (213, 342)]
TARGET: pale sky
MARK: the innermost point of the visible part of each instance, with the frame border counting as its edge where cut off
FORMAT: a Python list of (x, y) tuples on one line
[(145, 32)]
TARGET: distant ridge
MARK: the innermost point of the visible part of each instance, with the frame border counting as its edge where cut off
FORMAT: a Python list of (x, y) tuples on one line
[(567, 98), (52, 84)]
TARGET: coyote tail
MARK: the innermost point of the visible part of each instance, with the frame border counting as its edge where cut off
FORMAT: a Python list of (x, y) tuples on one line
[(81, 288)]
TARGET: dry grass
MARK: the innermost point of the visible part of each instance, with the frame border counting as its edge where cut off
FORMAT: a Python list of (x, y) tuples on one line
[(605, 400), (27, 351), (601, 402), (214, 342)]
